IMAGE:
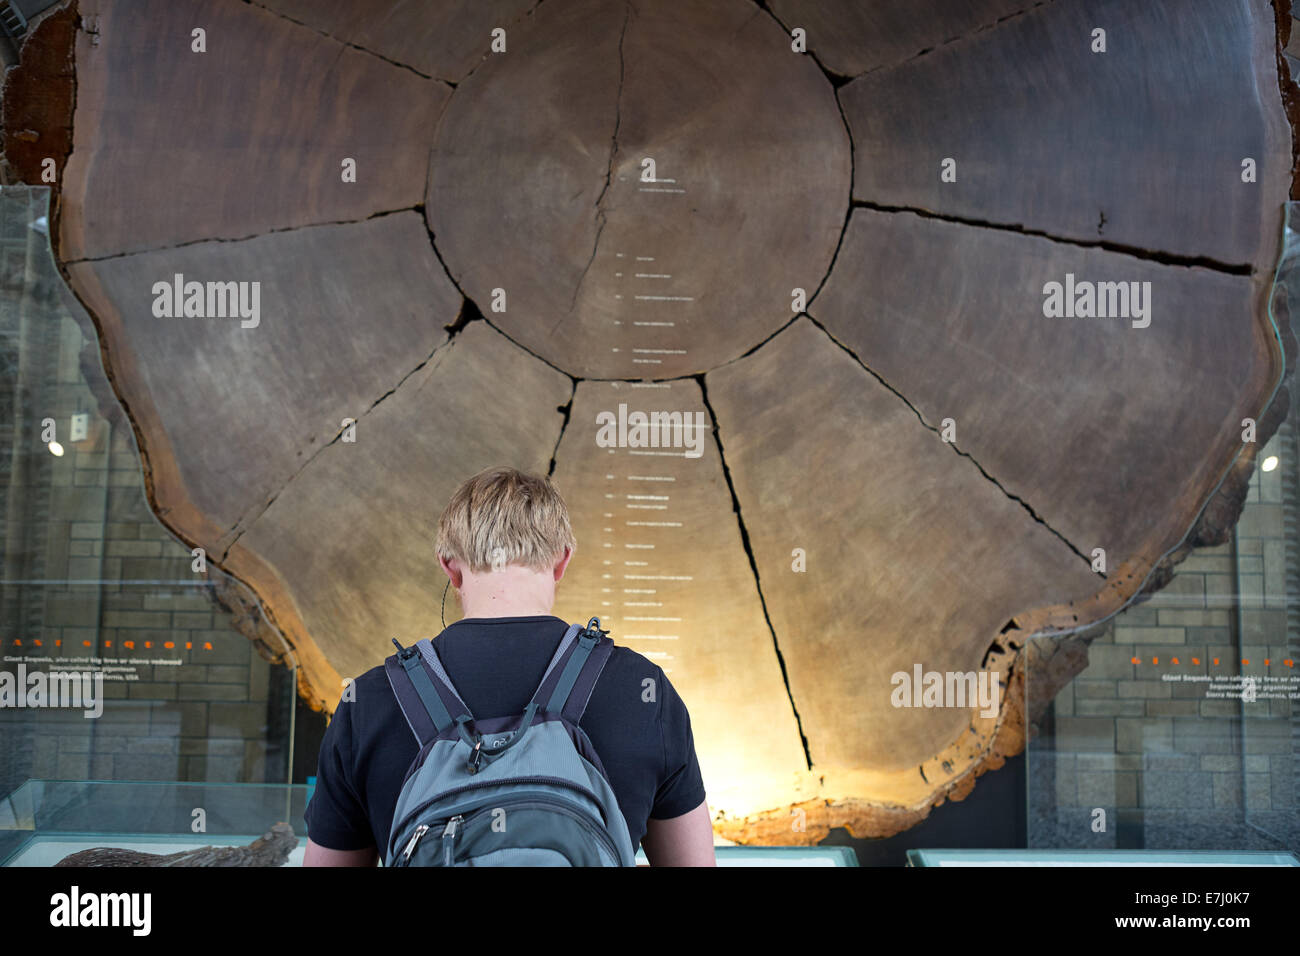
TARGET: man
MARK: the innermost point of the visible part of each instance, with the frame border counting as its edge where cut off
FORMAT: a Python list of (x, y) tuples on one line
[(504, 541)]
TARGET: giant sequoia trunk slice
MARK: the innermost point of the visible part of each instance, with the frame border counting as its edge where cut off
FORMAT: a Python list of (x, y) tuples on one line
[(1070, 433)]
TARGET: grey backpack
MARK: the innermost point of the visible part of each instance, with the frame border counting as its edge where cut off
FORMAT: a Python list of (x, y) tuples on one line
[(524, 790)]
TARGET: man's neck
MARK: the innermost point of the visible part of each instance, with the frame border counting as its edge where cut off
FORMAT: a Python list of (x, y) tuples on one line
[(511, 592)]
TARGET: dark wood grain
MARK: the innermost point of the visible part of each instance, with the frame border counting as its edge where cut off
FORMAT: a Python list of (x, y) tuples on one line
[(242, 409), (1140, 146), (172, 146), (535, 185), (1088, 420), (444, 40), (850, 37)]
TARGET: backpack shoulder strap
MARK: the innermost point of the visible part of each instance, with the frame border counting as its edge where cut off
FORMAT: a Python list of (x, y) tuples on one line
[(571, 676), (424, 691)]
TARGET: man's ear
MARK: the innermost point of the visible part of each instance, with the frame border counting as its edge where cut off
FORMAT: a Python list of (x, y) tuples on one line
[(452, 568), (563, 563)]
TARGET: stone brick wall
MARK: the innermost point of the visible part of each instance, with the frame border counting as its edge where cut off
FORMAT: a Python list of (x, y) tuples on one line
[(1171, 767), (113, 584)]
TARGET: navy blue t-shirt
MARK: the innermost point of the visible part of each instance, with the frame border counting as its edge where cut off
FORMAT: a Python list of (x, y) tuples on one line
[(646, 746)]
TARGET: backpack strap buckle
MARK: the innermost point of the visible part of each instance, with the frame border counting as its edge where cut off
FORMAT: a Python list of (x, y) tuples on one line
[(568, 675), (423, 690)]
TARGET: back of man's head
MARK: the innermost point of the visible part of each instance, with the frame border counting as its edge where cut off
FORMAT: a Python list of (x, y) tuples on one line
[(501, 517)]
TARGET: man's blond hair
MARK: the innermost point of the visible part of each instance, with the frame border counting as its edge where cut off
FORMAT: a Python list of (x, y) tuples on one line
[(503, 516)]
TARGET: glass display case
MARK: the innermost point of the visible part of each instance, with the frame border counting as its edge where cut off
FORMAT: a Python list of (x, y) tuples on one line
[(44, 821), (189, 680)]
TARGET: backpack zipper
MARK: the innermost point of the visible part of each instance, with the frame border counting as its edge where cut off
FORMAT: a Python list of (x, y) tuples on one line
[(449, 839), (448, 836), (420, 831), (454, 825), (479, 784)]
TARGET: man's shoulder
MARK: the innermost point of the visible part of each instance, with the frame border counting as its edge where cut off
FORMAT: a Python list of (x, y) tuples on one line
[(635, 680), (369, 695), (376, 675), (624, 659)]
